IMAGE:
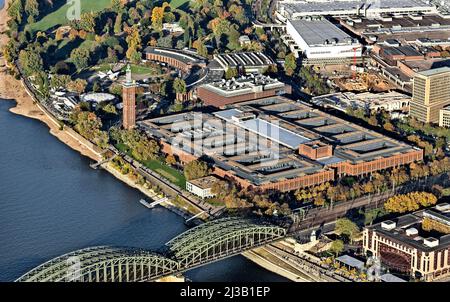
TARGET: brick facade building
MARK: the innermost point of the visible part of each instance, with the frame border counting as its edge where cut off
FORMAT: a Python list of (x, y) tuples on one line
[(403, 246)]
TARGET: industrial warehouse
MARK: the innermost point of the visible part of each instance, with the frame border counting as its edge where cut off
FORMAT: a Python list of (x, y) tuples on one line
[(278, 144), (298, 9), (321, 41)]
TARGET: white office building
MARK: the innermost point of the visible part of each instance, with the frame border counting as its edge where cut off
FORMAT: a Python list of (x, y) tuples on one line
[(202, 186)]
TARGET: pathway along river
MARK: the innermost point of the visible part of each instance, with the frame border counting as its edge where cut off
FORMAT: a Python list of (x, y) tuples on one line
[(51, 203)]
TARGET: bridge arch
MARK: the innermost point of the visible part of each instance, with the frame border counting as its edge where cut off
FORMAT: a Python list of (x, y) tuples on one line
[(220, 239), (209, 242), (103, 264)]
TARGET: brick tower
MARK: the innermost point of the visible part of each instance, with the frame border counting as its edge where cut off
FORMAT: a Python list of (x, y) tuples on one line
[(129, 101)]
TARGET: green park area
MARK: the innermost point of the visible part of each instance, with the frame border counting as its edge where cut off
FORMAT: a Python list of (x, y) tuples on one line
[(167, 172), (59, 16)]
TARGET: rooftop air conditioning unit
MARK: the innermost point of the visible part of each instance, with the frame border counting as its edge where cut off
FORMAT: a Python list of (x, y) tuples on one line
[(388, 225), (431, 242), (412, 232)]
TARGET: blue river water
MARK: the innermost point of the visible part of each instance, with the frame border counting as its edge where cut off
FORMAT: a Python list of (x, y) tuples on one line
[(52, 202)]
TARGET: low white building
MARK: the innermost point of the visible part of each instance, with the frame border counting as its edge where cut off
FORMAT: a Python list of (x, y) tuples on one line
[(319, 39), (202, 186), (173, 28)]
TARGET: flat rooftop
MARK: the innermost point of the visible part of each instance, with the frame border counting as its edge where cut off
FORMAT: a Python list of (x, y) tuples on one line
[(417, 240), (435, 71), (321, 32), (181, 55), (406, 21), (351, 261), (258, 140), (405, 50), (427, 64), (204, 183), (405, 28), (339, 6), (270, 130), (243, 85), (249, 59)]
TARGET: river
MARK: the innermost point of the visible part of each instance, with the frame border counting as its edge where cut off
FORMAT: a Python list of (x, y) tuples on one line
[(52, 202)]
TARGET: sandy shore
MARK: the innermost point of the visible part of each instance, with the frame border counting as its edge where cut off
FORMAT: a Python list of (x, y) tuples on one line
[(12, 89)]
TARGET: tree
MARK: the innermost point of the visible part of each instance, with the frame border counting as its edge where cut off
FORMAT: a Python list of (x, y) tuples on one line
[(32, 10), (10, 51), (79, 86), (221, 189), (195, 169), (337, 247), (171, 160), (88, 125), (80, 57), (15, 10), (86, 22), (31, 61), (345, 226), (118, 24), (134, 44), (110, 109), (409, 202), (166, 42), (290, 64), (389, 127), (373, 121), (59, 81), (141, 147), (117, 5), (219, 27), (179, 85), (158, 16), (231, 73)]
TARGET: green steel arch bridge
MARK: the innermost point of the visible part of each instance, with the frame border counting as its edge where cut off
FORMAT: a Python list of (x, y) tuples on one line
[(206, 243)]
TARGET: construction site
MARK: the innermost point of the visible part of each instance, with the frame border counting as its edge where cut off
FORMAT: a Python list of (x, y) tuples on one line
[(362, 82)]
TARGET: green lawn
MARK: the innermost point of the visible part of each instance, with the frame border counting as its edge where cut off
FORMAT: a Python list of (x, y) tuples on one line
[(123, 148), (141, 70), (177, 3), (59, 17), (159, 167), (170, 173)]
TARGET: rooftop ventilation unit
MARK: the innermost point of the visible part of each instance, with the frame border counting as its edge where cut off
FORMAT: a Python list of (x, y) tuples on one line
[(431, 242), (388, 225), (412, 232)]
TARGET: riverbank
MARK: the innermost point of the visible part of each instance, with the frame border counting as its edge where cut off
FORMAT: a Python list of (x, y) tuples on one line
[(147, 192), (262, 257), (13, 89)]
